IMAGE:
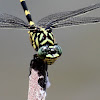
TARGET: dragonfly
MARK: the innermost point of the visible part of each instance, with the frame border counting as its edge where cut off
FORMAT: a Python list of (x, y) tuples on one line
[(40, 34)]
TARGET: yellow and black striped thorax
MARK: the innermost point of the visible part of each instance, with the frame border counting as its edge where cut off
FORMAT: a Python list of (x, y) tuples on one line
[(40, 37)]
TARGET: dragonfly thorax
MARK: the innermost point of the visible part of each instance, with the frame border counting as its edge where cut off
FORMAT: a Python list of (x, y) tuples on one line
[(40, 37)]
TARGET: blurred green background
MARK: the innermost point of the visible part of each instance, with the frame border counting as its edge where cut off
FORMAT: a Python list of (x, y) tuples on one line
[(74, 76)]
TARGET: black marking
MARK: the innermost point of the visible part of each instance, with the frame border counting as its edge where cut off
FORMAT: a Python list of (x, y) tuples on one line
[(41, 82), (43, 38), (49, 37), (38, 39), (23, 3), (39, 65), (29, 17), (24, 6), (49, 30)]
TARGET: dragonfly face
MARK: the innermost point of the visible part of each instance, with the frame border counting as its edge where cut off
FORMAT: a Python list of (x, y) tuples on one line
[(49, 53)]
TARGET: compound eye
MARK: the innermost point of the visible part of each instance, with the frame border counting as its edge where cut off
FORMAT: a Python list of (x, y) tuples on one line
[(42, 52), (58, 49)]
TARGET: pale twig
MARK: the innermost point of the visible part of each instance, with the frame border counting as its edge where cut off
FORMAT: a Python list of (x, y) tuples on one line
[(38, 79)]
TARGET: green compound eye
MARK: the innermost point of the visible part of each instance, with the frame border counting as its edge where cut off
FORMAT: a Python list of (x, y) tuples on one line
[(49, 50), (58, 49), (42, 52)]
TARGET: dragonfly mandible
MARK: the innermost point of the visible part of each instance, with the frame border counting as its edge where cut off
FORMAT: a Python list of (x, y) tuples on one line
[(41, 36)]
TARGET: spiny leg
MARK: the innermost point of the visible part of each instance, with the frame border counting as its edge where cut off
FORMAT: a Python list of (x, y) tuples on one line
[(27, 13)]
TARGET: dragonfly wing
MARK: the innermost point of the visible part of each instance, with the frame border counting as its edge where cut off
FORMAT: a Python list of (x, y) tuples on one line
[(56, 18), (50, 18), (10, 21), (76, 21)]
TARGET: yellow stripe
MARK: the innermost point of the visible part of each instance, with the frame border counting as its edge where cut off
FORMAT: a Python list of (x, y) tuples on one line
[(51, 46), (38, 34), (50, 42), (22, 0), (41, 37), (56, 55), (44, 42), (51, 36), (44, 31), (49, 55), (33, 36), (31, 23), (27, 12), (31, 33), (34, 46), (51, 33), (37, 42), (28, 32), (50, 61)]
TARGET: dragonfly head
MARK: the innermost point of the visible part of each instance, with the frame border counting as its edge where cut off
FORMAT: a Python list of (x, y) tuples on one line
[(49, 52)]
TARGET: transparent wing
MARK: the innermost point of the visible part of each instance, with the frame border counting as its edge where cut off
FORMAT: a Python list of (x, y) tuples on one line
[(50, 18), (58, 17), (76, 21), (10, 21)]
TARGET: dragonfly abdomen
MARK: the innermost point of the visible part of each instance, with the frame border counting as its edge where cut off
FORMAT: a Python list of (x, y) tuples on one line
[(27, 13)]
